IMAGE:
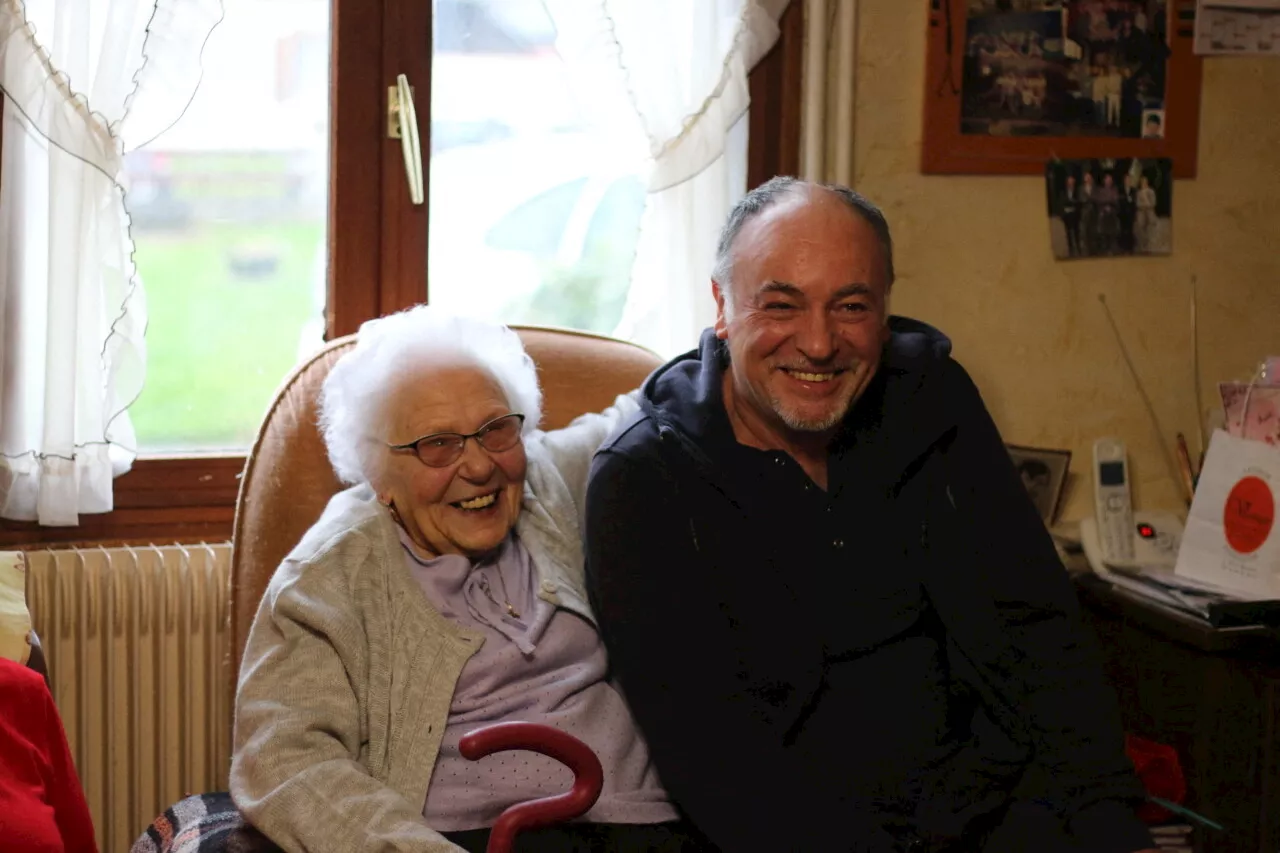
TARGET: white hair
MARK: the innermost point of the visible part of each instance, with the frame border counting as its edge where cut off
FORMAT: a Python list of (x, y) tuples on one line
[(360, 384)]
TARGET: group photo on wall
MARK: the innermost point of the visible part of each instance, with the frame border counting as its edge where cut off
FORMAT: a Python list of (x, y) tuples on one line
[(1106, 207), (1065, 68)]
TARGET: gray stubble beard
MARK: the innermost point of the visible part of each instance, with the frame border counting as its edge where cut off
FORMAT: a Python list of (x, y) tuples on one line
[(829, 421)]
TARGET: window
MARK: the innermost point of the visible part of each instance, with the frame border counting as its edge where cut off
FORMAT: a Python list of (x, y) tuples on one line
[(585, 285), (228, 220), (536, 227), (518, 202), (293, 205)]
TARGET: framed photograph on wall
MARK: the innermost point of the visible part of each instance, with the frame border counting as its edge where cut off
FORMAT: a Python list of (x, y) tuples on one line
[(1012, 84), (1109, 208), (1044, 473)]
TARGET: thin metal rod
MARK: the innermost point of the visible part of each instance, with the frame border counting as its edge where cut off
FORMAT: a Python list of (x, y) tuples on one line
[(1195, 367), (1169, 459)]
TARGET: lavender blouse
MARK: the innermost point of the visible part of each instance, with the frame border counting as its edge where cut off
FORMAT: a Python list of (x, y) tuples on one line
[(539, 664)]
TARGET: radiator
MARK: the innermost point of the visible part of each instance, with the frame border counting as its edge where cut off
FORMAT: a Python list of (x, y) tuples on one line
[(136, 640)]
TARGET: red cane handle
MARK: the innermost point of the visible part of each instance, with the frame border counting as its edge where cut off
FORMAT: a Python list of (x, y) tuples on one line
[(588, 776)]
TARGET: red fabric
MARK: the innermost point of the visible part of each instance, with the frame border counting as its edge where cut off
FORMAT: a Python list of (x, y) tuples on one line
[(42, 807), (1161, 774)]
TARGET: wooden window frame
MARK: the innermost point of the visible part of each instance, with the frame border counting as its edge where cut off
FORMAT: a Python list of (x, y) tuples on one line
[(193, 498)]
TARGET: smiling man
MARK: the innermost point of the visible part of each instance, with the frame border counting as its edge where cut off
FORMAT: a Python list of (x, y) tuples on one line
[(835, 613)]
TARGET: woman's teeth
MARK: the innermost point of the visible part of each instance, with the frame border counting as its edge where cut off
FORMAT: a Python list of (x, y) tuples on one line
[(480, 502)]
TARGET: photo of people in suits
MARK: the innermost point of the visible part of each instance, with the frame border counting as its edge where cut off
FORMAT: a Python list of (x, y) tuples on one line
[(1104, 208)]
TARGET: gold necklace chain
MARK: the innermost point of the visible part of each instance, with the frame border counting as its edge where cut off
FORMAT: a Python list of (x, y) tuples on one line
[(484, 585)]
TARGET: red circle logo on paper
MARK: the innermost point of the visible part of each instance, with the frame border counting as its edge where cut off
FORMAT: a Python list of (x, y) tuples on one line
[(1249, 515)]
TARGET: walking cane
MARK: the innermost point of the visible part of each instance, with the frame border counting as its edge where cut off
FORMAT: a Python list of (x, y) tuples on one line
[(588, 776)]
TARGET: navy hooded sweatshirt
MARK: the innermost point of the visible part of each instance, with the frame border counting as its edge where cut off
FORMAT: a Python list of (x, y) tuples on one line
[(860, 667)]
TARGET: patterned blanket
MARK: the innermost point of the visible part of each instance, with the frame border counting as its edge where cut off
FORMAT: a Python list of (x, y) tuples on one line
[(202, 823)]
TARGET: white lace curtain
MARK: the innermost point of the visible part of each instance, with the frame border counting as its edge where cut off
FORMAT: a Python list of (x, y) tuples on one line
[(682, 65), (83, 83), (86, 82)]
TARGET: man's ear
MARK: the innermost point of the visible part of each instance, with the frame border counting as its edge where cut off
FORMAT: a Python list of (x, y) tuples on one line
[(722, 322)]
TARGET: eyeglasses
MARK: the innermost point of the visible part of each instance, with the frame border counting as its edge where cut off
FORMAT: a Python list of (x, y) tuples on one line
[(444, 448)]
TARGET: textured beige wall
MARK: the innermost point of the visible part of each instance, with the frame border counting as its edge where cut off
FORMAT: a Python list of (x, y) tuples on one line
[(973, 258)]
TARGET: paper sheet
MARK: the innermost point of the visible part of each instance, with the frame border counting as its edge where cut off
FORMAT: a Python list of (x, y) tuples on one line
[(1231, 539), (1238, 27), (1241, 4)]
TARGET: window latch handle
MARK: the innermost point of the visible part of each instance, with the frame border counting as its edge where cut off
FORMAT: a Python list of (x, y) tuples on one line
[(402, 124)]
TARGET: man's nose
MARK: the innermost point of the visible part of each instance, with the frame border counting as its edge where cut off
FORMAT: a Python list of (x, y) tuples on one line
[(817, 339)]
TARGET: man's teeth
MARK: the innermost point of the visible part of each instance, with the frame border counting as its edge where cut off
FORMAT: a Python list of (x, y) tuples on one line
[(480, 502), (812, 377)]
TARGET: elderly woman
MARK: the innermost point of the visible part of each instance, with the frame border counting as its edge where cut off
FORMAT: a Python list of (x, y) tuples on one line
[(441, 592)]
